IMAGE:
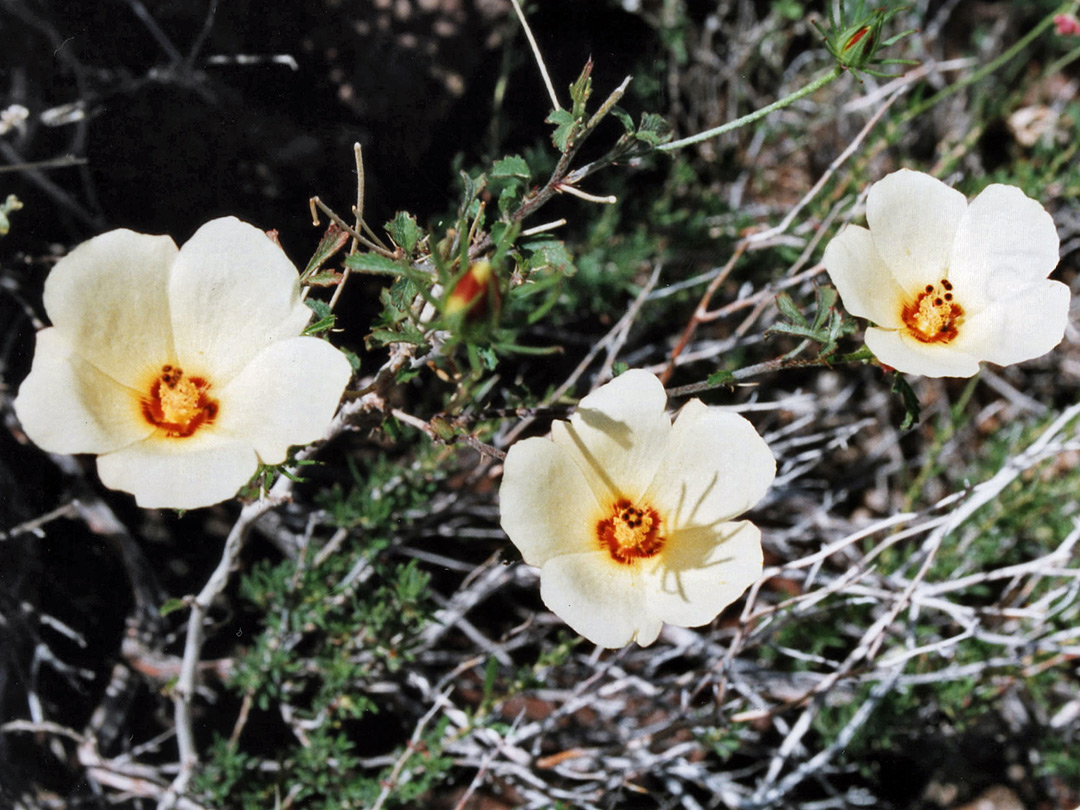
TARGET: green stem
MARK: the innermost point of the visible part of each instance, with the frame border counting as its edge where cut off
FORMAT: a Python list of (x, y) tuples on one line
[(988, 68), (930, 464), (815, 85), (789, 360)]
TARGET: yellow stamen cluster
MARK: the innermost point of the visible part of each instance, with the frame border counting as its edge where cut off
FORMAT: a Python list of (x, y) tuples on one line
[(934, 316)]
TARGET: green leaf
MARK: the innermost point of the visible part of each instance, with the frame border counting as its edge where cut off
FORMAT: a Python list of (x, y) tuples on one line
[(171, 606), (551, 253), (722, 377), (332, 241), (512, 166), (824, 301), (581, 89), (320, 308), (910, 401), (404, 231), (320, 326), (325, 278), (654, 129), (353, 358), (787, 308), (565, 127), (624, 119), (376, 264), (406, 333)]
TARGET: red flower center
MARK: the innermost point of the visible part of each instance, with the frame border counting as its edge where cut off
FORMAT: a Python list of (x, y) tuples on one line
[(934, 316), (632, 532), (178, 404)]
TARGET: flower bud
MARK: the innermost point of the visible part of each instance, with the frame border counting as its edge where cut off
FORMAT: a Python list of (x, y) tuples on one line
[(476, 294)]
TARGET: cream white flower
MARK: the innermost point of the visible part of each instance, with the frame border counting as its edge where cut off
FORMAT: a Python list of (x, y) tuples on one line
[(182, 369), (949, 283), (628, 515)]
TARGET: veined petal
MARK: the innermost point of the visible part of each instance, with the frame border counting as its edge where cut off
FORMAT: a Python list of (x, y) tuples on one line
[(1027, 323), (866, 285), (1005, 239), (67, 405), (914, 220), (232, 293), (164, 473), (108, 298), (547, 506), (702, 571), (901, 351), (600, 599), (285, 396), (715, 467), (618, 434)]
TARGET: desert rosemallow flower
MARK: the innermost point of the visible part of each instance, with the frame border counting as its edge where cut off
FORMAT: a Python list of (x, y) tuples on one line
[(181, 369), (629, 517), (947, 283)]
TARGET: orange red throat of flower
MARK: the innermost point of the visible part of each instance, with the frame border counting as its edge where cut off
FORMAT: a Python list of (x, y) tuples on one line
[(631, 532), (178, 404), (934, 316)]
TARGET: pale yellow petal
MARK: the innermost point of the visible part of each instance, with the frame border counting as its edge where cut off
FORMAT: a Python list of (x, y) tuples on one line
[(715, 467), (618, 434), (1027, 322), (66, 405), (914, 219), (602, 600), (232, 293), (1005, 239), (546, 505), (285, 396), (904, 353), (108, 298), (164, 473), (701, 571), (866, 285)]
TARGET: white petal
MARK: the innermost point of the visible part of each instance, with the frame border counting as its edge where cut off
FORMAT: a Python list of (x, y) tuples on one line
[(285, 396), (164, 473), (702, 571), (1029, 323), (66, 405), (600, 599), (866, 285), (1005, 239), (618, 434), (716, 466), (897, 349), (232, 293), (914, 220), (547, 507), (108, 297)]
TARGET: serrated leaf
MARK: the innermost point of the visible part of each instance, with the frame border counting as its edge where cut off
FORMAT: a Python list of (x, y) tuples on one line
[(376, 264), (552, 253), (789, 310), (326, 278), (404, 231), (333, 240), (653, 130), (565, 126), (512, 166)]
